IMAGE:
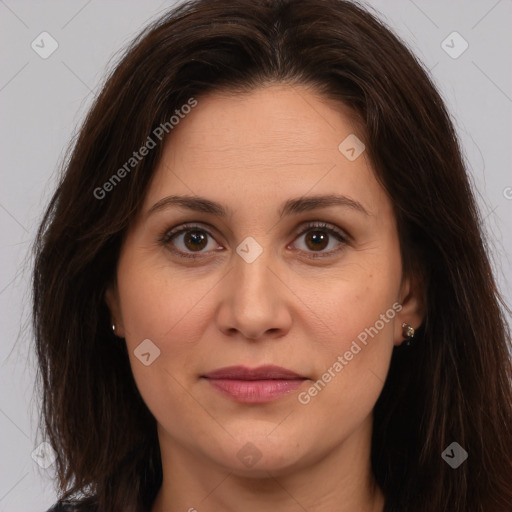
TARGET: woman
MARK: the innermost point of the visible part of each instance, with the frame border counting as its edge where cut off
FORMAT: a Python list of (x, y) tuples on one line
[(262, 279)]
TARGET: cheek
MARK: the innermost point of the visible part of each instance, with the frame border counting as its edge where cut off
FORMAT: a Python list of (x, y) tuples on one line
[(365, 333), (155, 300), (360, 304), (154, 308), (354, 365), (169, 309), (352, 370)]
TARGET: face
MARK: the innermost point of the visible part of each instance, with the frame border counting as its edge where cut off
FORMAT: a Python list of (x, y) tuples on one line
[(279, 279)]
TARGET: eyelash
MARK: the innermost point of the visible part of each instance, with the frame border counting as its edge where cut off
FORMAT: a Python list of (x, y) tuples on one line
[(169, 235)]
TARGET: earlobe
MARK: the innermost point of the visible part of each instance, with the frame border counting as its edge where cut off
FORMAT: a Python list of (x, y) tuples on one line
[(112, 301), (413, 310)]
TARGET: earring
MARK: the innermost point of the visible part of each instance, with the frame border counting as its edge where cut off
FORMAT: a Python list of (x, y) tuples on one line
[(114, 328), (408, 333)]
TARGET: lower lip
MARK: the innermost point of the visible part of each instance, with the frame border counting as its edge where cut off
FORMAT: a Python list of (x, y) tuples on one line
[(255, 391)]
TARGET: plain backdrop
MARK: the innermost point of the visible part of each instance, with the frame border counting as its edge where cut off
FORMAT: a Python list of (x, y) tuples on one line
[(43, 100)]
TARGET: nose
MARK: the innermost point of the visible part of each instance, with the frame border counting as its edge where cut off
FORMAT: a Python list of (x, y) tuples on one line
[(255, 300)]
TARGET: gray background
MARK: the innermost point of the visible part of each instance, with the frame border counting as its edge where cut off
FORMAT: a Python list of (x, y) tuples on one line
[(42, 101)]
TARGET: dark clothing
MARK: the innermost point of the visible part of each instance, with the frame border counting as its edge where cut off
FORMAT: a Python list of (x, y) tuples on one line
[(62, 507), (68, 506)]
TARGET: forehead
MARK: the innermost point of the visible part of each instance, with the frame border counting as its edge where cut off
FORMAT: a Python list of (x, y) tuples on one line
[(269, 122), (275, 141)]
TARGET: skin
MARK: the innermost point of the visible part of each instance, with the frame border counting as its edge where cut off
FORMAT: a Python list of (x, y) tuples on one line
[(251, 153)]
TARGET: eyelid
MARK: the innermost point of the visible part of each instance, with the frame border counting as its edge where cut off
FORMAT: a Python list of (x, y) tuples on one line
[(187, 226), (307, 226), (327, 226), (341, 235)]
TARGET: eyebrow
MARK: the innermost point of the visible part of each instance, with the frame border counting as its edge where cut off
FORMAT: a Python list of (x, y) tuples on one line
[(290, 207)]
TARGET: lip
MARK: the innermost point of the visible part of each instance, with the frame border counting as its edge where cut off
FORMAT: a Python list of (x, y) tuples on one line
[(266, 372), (254, 385)]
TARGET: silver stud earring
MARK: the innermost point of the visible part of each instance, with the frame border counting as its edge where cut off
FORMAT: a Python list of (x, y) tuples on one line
[(114, 327), (408, 333)]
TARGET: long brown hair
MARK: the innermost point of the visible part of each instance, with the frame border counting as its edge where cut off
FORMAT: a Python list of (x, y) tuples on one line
[(452, 384)]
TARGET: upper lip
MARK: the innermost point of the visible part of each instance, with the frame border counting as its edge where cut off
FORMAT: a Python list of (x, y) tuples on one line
[(260, 373)]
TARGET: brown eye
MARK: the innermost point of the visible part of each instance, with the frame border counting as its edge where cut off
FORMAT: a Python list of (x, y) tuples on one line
[(191, 241), (195, 240), (319, 236), (317, 240), (188, 240)]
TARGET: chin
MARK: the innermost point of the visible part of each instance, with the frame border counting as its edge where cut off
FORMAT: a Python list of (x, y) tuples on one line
[(256, 456)]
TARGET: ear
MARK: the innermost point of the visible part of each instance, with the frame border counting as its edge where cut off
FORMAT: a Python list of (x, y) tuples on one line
[(413, 306), (112, 301)]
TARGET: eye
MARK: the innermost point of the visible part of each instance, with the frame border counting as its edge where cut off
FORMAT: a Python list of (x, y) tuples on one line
[(318, 236), (195, 239), (192, 238)]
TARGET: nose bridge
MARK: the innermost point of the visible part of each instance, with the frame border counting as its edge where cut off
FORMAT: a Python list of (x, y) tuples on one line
[(251, 268), (252, 303)]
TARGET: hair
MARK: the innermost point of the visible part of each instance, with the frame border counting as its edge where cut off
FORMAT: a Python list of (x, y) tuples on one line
[(453, 384)]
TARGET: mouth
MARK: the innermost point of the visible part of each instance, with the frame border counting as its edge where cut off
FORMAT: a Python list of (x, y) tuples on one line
[(256, 385)]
